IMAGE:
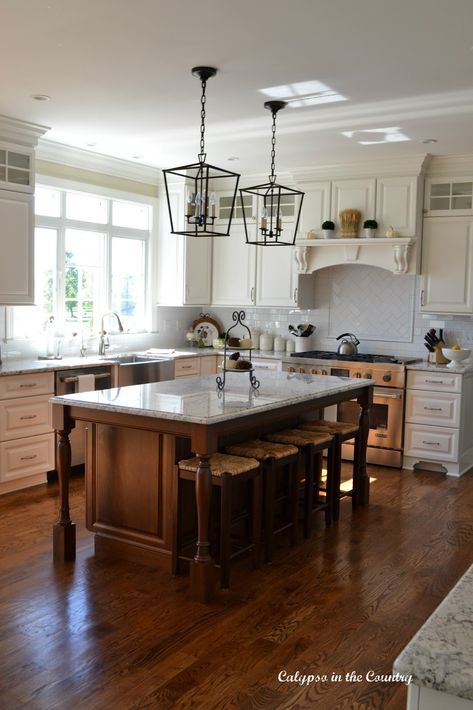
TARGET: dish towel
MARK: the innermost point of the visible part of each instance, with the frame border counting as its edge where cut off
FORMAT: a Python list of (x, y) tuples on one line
[(85, 383)]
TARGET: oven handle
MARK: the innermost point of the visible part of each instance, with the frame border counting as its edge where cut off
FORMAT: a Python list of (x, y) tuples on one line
[(378, 392)]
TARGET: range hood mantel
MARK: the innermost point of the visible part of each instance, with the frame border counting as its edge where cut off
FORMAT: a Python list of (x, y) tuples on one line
[(397, 255)]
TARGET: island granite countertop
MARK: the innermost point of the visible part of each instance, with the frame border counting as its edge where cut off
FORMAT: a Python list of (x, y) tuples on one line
[(440, 655), (197, 400)]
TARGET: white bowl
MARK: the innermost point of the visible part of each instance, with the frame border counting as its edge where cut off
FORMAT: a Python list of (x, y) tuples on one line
[(455, 356)]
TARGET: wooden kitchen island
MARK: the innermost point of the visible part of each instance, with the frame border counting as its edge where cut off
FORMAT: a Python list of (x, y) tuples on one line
[(135, 435)]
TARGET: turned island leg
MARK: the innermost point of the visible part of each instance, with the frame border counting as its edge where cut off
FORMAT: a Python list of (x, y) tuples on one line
[(64, 531), (203, 575)]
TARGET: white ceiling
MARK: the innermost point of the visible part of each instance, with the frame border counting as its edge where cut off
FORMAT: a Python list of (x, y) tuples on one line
[(118, 73)]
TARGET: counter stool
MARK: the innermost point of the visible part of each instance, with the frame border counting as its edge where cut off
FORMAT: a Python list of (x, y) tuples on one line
[(273, 458), (341, 432), (225, 471), (311, 445)]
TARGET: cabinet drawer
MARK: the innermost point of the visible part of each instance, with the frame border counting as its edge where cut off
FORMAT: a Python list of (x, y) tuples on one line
[(25, 457), (431, 443), (437, 408), (208, 364), (434, 381), (24, 417), (186, 366), (25, 385)]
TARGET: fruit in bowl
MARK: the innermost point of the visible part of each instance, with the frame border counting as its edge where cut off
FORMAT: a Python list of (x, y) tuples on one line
[(456, 355)]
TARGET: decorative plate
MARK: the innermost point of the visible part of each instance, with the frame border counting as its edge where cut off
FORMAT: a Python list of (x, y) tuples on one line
[(206, 329)]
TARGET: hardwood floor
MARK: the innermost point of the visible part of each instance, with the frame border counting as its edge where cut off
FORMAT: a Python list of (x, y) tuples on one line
[(102, 634)]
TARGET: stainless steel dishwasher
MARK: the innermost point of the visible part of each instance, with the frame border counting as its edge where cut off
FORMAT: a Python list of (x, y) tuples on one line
[(67, 382)]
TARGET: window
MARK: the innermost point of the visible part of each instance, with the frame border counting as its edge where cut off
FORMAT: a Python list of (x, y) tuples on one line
[(91, 253)]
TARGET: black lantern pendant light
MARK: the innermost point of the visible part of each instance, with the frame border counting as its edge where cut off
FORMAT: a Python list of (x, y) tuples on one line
[(200, 181), (275, 202)]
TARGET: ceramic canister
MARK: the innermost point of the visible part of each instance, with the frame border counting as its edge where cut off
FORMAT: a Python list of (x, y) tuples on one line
[(265, 341)]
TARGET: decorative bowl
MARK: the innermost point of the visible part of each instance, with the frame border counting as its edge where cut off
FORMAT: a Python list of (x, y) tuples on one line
[(455, 356)]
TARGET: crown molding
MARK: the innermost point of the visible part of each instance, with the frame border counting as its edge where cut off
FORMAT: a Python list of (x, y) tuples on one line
[(380, 167), (96, 162), (24, 133), (451, 165)]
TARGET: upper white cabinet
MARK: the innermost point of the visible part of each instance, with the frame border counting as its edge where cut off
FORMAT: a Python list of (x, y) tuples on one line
[(183, 263), (353, 194), (449, 196), (315, 207), (16, 248), (396, 205), (16, 168), (447, 265), (248, 275)]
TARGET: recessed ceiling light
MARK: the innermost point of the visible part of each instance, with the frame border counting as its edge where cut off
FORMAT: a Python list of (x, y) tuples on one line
[(233, 157), (430, 140), (91, 145), (41, 97), (137, 157)]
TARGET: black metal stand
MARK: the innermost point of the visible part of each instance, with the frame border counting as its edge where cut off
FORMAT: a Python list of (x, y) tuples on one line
[(238, 317)]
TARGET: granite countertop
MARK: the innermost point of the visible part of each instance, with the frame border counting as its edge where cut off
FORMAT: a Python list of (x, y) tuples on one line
[(197, 399), (440, 656), (430, 367), (22, 366)]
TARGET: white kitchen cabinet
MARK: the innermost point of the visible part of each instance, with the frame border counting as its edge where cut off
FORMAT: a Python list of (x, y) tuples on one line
[(26, 437), (183, 263), (356, 194), (16, 248), (315, 207), (16, 168), (448, 196), (245, 275), (396, 205), (438, 431), (447, 265)]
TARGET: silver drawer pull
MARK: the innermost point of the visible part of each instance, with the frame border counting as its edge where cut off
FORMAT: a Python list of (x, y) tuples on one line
[(187, 367), (435, 382), (29, 384), (29, 416), (431, 443), (433, 409), (28, 458)]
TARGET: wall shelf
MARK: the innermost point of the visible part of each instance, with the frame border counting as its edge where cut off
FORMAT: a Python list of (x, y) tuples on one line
[(394, 254)]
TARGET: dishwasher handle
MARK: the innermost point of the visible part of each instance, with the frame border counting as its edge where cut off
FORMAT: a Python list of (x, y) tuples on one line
[(70, 378)]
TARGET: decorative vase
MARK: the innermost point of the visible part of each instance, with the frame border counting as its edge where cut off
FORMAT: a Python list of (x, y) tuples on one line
[(328, 233), (369, 233)]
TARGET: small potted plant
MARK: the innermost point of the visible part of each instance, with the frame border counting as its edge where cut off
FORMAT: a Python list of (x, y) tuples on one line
[(370, 226), (328, 229)]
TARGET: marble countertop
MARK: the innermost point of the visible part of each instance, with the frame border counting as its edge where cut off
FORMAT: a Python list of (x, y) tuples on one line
[(197, 399), (430, 367), (440, 656)]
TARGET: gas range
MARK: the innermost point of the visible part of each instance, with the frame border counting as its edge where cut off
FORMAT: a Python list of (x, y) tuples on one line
[(384, 370)]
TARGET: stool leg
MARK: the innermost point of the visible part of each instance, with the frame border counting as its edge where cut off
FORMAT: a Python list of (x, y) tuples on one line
[(308, 489), (268, 512), (256, 519), (337, 474), (356, 473), (294, 489), (333, 483), (225, 520)]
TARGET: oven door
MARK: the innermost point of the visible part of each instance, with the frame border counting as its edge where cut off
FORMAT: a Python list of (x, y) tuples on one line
[(386, 417)]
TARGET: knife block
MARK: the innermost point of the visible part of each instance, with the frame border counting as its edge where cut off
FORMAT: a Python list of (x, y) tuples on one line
[(440, 358)]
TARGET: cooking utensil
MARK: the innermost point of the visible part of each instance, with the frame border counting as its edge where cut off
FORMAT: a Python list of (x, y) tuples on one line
[(348, 346)]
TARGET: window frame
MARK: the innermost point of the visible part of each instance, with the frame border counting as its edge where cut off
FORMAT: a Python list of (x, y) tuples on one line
[(61, 224)]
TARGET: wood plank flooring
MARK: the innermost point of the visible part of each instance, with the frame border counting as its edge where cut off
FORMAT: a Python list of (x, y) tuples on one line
[(102, 634)]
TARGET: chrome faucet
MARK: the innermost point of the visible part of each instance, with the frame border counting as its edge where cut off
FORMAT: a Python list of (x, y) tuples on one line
[(104, 340)]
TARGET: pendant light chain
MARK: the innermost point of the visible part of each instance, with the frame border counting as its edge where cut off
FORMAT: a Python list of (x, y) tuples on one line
[(202, 122), (272, 177)]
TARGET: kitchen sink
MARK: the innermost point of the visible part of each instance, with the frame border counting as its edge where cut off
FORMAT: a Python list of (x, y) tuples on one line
[(139, 369)]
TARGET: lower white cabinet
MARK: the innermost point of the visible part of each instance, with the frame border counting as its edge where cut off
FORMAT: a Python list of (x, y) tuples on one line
[(438, 431), (26, 437), (16, 248)]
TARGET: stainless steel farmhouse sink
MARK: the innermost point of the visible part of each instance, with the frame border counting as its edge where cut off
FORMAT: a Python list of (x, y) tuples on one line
[(138, 369)]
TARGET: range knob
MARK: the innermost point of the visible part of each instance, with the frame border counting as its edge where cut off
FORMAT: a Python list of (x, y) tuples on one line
[(323, 372), (387, 377), (313, 371), (291, 369), (357, 374), (301, 369), (368, 375)]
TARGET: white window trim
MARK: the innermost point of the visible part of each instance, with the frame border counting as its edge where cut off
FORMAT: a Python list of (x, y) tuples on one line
[(110, 193)]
